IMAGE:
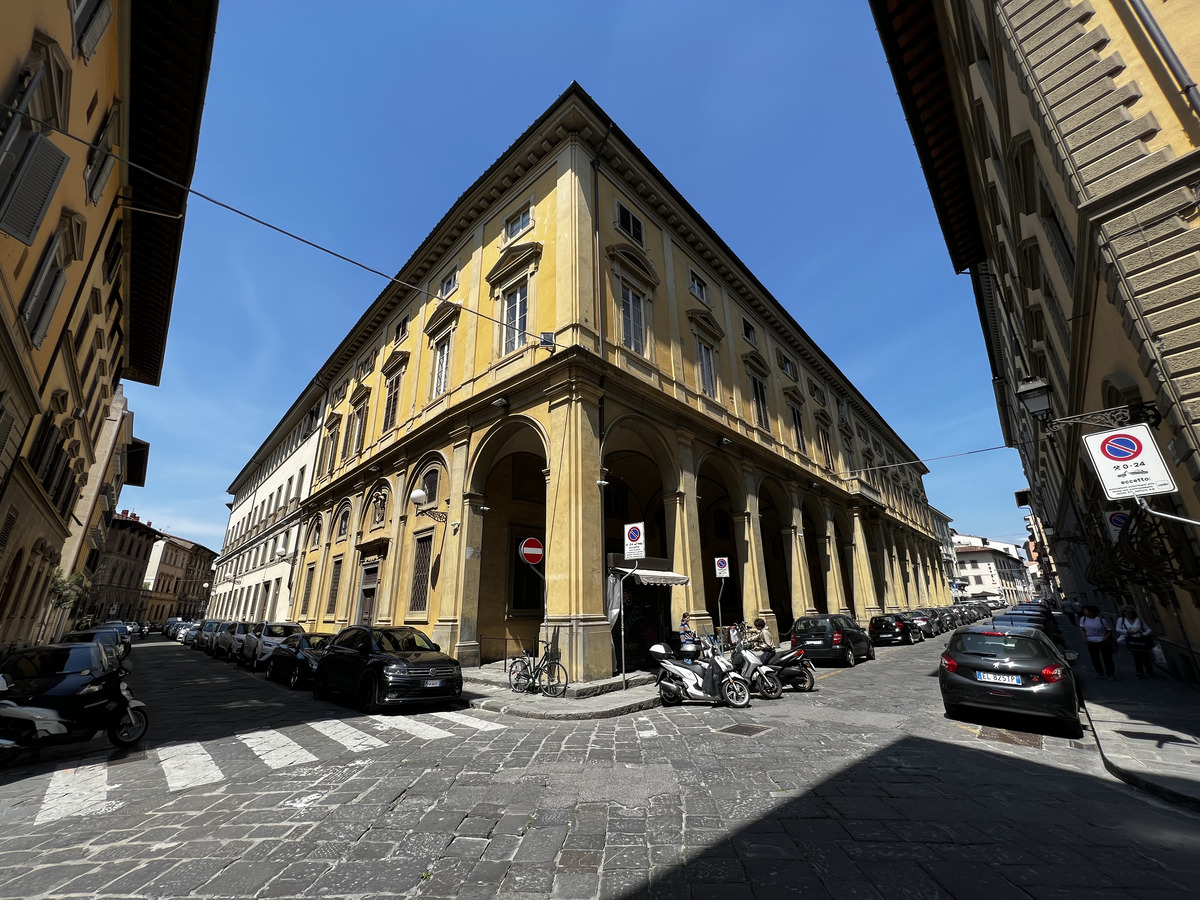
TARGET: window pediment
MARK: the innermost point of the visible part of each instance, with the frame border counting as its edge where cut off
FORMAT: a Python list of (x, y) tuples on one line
[(706, 323), (333, 419), (443, 317), (636, 259), (794, 395), (361, 394), (395, 360), (755, 360), (517, 259), (822, 416)]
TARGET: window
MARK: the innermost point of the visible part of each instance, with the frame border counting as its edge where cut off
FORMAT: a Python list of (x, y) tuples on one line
[(334, 580), (518, 223), (630, 224), (45, 290), (429, 484), (100, 160), (787, 366), (826, 444), (762, 415), (401, 330), (392, 401), (516, 305), (449, 284), (708, 373), (748, 331), (441, 365), (419, 599), (331, 439), (32, 165), (797, 418), (343, 525), (633, 320), (698, 287)]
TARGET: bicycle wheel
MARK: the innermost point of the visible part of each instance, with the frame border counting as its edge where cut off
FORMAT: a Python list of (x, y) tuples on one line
[(520, 677), (552, 680)]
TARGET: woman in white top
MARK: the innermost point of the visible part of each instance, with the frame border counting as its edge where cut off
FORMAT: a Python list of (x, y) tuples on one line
[(1098, 635), (1137, 637)]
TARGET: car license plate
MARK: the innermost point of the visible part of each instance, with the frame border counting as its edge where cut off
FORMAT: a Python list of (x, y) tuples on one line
[(433, 682), (998, 678), (814, 642)]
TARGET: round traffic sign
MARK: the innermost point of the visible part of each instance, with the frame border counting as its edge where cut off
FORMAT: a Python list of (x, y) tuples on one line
[(531, 551), (722, 563), (634, 533), (1121, 447), (1118, 519)]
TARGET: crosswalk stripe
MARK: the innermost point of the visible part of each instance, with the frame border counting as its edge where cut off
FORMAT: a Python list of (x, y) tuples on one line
[(187, 765), (76, 792), (412, 726), (348, 737), (481, 724), (275, 749)]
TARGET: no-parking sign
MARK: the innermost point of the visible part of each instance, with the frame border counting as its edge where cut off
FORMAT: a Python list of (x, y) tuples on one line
[(722, 566), (1128, 462), (1116, 519), (635, 540)]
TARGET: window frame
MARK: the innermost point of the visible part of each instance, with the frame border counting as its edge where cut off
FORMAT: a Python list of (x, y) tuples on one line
[(636, 231), (706, 365), (444, 289), (694, 279), (514, 338), (524, 218), (627, 319)]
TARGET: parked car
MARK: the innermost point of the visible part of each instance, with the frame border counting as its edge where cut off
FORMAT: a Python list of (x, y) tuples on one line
[(832, 638), (925, 621), (387, 667), (1016, 670), (187, 636), (123, 630), (893, 628), (229, 640), (208, 633), (106, 636), (295, 658), (262, 639), (1043, 621), (168, 628)]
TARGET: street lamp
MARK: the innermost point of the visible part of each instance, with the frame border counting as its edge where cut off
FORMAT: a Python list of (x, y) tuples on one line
[(419, 498), (1034, 395)]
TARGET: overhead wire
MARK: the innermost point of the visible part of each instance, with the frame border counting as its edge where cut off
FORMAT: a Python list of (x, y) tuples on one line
[(264, 223)]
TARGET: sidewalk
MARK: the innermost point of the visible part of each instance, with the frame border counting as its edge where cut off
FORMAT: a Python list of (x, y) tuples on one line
[(1148, 729), (486, 687)]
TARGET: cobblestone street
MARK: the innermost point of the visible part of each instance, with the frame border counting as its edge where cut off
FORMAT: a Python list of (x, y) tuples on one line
[(861, 789)]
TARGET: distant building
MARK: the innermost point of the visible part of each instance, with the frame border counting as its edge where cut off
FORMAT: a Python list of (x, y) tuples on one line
[(117, 590), (178, 578), (945, 534), (992, 569)]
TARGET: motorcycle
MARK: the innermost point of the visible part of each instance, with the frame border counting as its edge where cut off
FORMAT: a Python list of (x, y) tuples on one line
[(756, 672), (793, 669), (701, 674), (66, 693)]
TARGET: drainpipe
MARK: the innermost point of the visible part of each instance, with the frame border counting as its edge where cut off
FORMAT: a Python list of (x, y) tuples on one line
[(1187, 84)]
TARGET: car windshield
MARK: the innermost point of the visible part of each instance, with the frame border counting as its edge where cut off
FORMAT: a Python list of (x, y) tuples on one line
[(41, 661), (1002, 646), (319, 641), (281, 631), (105, 636), (811, 626), (402, 641)]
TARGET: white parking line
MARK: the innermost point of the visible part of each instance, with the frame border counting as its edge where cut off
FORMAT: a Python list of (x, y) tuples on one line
[(276, 750), (348, 737), (461, 719), (187, 765), (412, 726), (76, 792)]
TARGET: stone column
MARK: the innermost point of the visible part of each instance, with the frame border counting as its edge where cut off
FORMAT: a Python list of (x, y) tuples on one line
[(802, 598), (834, 589), (574, 564), (683, 533), (865, 597), (755, 600), (895, 589), (446, 628), (467, 647)]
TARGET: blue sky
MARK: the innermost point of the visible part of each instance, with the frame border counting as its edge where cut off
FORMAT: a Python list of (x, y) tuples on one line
[(357, 124)]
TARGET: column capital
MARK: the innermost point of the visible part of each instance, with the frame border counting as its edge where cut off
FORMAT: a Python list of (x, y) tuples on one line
[(572, 388), (685, 436)]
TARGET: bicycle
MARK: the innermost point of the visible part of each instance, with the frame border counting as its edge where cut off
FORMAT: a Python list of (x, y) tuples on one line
[(525, 675)]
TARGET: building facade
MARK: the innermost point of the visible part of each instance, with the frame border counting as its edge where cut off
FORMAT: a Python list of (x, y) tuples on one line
[(1061, 143), (117, 590), (86, 274), (945, 535), (572, 350), (992, 569), (254, 568), (178, 579)]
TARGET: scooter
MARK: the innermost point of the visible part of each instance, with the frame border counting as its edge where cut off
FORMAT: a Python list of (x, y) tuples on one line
[(109, 707), (759, 674), (790, 666), (701, 674)]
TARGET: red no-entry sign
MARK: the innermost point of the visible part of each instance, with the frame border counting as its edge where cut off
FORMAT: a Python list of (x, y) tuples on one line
[(531, 551)]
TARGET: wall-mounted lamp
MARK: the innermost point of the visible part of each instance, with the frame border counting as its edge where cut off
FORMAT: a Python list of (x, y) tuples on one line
[(419, 498), (723, 442), (602, 483), (374, 469), (500, 403), (1034, 395), (483, 509)]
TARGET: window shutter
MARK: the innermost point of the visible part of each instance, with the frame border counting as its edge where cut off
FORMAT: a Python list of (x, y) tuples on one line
[(89, 39), (6, 532), (6, 424), (54, 292), (28, 194), (331, 606), (98, 174)]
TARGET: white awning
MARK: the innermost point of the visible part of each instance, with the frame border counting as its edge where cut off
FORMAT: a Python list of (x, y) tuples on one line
[(654, 576)]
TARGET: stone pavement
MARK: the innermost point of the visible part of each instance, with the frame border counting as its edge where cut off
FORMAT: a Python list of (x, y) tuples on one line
[(1148, 729), (486, 687)]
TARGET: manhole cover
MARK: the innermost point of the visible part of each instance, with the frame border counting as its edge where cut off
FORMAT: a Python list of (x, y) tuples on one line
[(744, 730)]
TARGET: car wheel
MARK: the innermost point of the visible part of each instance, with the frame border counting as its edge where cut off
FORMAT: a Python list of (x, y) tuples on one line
[(368, 694), (849, 660), (271, 671), (953, 710), (320, 691), (296, 678), (909, 639), (870, 651)]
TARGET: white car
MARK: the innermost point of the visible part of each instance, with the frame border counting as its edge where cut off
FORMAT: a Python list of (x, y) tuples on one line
[(262, 639)]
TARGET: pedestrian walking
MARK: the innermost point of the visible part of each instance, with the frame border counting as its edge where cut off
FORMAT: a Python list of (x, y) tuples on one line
[(1099, 638), (1138, 640), (1070, 608)]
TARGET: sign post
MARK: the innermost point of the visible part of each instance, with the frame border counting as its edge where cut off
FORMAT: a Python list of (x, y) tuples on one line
[(722, 576), (635, 549), (1128, 463), (532, 552)]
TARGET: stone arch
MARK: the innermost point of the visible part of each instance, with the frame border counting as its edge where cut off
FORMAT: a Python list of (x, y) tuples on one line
[(418, 473), (509, 435), (340, 522), (313, 531), (631, 431)]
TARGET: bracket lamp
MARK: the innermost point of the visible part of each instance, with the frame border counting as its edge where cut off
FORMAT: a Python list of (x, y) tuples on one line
[(419, 498), (1034, 395)]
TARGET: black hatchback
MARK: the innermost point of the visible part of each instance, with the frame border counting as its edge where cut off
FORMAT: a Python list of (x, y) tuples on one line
[(894, 628), (387, 667), (832, 638)]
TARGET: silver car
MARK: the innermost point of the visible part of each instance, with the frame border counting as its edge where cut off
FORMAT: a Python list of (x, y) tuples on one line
[(262, 639)]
